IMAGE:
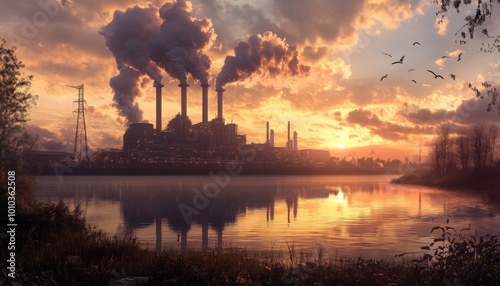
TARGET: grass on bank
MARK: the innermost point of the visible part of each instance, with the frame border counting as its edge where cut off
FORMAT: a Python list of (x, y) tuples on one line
[(485, 180)]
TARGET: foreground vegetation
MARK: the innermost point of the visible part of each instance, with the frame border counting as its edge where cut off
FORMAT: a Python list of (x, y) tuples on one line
[(56, 248)]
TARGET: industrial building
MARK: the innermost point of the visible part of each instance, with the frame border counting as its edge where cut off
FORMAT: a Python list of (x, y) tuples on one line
[(209, 144)]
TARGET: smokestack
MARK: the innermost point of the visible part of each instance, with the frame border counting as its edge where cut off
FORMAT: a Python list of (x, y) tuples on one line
[(288, 142), (295, 141), (183, 87), (272, 138), (158, 104), (267, 133), (220, 92), (204, 94)]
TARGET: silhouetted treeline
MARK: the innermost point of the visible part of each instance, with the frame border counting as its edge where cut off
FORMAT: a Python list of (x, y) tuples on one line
[(466, 149)]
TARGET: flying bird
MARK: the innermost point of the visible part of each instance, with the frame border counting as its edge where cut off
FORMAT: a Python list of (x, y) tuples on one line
[(414, 81), (416, 43), (387, 54), (444, 57), (452, 76), (399, 62), (411, 70), (435, 75), (385, 76), (459, 57)]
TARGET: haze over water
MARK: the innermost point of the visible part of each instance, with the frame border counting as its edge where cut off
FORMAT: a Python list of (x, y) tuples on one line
[(346, 215)]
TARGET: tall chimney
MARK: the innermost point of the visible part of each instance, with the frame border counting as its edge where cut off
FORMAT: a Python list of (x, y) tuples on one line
[(272, 138), (158, 104), (204, 95), (267, 133), (219, 102), (183, 87), (288, 142)]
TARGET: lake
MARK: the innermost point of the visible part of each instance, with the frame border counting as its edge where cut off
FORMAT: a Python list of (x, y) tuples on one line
[(346, 215)]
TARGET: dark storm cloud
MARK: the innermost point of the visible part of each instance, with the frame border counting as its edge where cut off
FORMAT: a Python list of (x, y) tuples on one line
[(386, 130), (474, 111), (314, 54), (364, 94), (310, 21), (48, 22), (426, 116), (49, 141), (71, 70), (470, 111), (363, 118), (233, 22)]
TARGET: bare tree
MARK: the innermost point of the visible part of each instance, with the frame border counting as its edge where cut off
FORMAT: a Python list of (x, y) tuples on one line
[(436, 155), (442, 149), (478, 146), (492, 141), (462, 143)]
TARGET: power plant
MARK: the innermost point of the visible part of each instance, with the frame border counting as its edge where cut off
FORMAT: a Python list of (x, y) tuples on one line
[(209, 144), (180, 135)]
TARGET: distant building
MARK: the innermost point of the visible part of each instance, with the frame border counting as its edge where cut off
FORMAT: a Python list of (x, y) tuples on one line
[(315, 156), (138, 137), (48, 157)]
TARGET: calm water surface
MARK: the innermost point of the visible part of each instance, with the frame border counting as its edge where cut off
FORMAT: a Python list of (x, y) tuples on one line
[(346, 215)]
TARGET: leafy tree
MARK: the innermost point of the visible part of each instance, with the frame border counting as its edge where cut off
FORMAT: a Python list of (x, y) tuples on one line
[(15, 102), (483, 11)]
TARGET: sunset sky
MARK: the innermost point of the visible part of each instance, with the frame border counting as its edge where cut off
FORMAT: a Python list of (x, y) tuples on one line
[(335, 100)]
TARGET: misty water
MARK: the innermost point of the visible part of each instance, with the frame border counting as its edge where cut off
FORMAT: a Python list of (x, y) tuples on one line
[(346, 215)]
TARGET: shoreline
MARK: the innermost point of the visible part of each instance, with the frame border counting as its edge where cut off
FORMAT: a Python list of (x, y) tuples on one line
[(485, 181), (245, 171)]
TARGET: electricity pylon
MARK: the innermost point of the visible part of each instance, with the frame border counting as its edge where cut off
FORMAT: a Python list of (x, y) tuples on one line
[(81, 149)]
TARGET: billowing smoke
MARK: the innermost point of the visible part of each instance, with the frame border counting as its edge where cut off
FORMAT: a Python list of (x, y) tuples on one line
[(178, 48), (126, 90), (143, 39), (266, 54), (127, 37)]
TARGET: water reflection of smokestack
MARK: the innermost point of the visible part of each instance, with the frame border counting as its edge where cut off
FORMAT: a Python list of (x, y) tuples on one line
[(204, 235), (183, 87), (289, 202), (219, 236), (184, 239), (158, 232), (219, 102), (272, 210), (204, 93), (295, 206), (158, 87), (419, 204), (267, 213)]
